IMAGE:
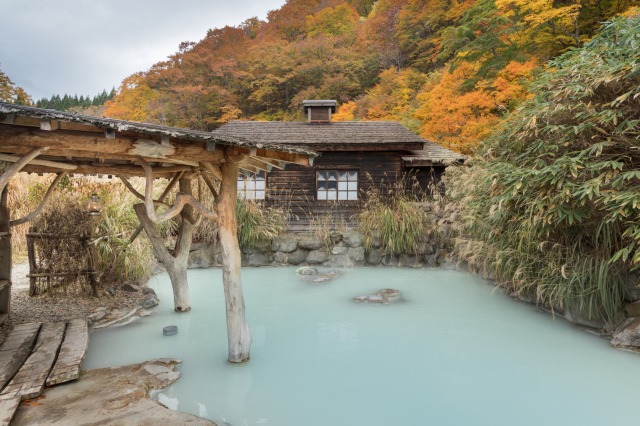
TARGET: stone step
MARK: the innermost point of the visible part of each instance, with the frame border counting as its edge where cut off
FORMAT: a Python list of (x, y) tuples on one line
[(29, 381), (16, 349), (72, 352), (8, 408)]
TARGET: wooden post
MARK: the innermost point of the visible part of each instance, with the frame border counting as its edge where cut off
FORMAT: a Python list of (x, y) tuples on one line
[(91, 273), (33, 267), (5, 256), (238, 334), (175, 263)]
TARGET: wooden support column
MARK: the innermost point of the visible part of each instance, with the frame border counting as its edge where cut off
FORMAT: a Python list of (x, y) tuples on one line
[(238, 334), (5, 256), (175, 261)]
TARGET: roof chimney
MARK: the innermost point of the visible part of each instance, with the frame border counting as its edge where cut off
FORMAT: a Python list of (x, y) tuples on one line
[(319, 111)]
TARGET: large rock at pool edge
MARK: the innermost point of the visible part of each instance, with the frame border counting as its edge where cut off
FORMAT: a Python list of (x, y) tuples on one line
[(628, 335), (310, 243), (353, 238), (317, 256), (296, 257)]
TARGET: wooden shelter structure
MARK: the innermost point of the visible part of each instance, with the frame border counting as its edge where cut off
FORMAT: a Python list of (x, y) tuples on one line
[(44, 141), (356, 157)]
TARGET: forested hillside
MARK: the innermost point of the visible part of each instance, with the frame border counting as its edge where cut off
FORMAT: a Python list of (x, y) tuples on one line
[(449, 70), (74, 103)]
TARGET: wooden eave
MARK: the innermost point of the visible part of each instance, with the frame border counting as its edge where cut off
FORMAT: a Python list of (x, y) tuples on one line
[(377, 147), (418, 163), (92, 145)]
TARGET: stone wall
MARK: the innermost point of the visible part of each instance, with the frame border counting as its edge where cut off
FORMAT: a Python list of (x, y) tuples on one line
[(343, 249)]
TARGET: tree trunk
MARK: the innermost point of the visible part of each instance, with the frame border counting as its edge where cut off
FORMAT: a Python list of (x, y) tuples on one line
[(175, 263), (238, 334), (178, 276)]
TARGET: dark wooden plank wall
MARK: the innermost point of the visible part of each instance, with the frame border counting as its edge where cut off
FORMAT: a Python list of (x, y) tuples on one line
[(295, 187), (425, 177)]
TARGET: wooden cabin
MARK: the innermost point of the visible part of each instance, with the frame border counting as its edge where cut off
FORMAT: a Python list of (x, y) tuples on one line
[(354, 157)]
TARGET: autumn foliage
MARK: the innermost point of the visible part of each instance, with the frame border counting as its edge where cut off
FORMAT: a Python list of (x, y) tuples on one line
[(450, 70)]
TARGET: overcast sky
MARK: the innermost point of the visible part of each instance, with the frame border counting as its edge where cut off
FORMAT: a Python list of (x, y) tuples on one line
[(83, 46)]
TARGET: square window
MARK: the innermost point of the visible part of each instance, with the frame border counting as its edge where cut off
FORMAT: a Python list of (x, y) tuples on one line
[(252, 186), (334, 185)]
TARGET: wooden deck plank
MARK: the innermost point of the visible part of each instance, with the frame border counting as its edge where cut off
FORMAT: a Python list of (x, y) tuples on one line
[(30, 379), (16, 349), (8, 408), (72, 352)]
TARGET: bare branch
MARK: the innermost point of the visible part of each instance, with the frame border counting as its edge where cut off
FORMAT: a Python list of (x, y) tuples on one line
[(11, 171), (130, 187), (43, 203), (181, 200), (210, 186), (166, 192)]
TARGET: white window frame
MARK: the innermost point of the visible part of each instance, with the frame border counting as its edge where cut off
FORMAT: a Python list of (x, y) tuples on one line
[(337, 185), (252, 186)]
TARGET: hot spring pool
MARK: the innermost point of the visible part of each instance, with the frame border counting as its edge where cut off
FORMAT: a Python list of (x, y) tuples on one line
[(453, 352)]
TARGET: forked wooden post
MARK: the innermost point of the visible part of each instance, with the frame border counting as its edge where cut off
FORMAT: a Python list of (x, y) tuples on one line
[(238, 334), (176, 261), (5, 256)]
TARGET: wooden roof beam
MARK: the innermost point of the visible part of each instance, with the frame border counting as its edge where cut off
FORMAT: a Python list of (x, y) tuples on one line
[(286, 157), (249, 169), (49, 125), (271, 163), (259, 165), (213, 169), (47, 163), (123, 146), (109, 169)]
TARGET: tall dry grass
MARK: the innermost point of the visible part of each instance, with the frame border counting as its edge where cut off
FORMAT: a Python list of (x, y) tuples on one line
[(396, 212)]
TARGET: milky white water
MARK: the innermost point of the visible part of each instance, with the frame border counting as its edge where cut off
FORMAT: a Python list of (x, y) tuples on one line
[(453, 352)]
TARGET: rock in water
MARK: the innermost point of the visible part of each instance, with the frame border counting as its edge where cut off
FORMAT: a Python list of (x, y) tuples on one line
[(628, 335), (306, 270), (318, 277), (385, 296)]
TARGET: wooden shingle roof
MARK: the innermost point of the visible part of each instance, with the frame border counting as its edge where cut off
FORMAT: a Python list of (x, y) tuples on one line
[(354, 134), (434, 154), (344, 136)]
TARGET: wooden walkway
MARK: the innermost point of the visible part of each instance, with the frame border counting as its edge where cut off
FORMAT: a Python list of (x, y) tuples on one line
[(55, 358)]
